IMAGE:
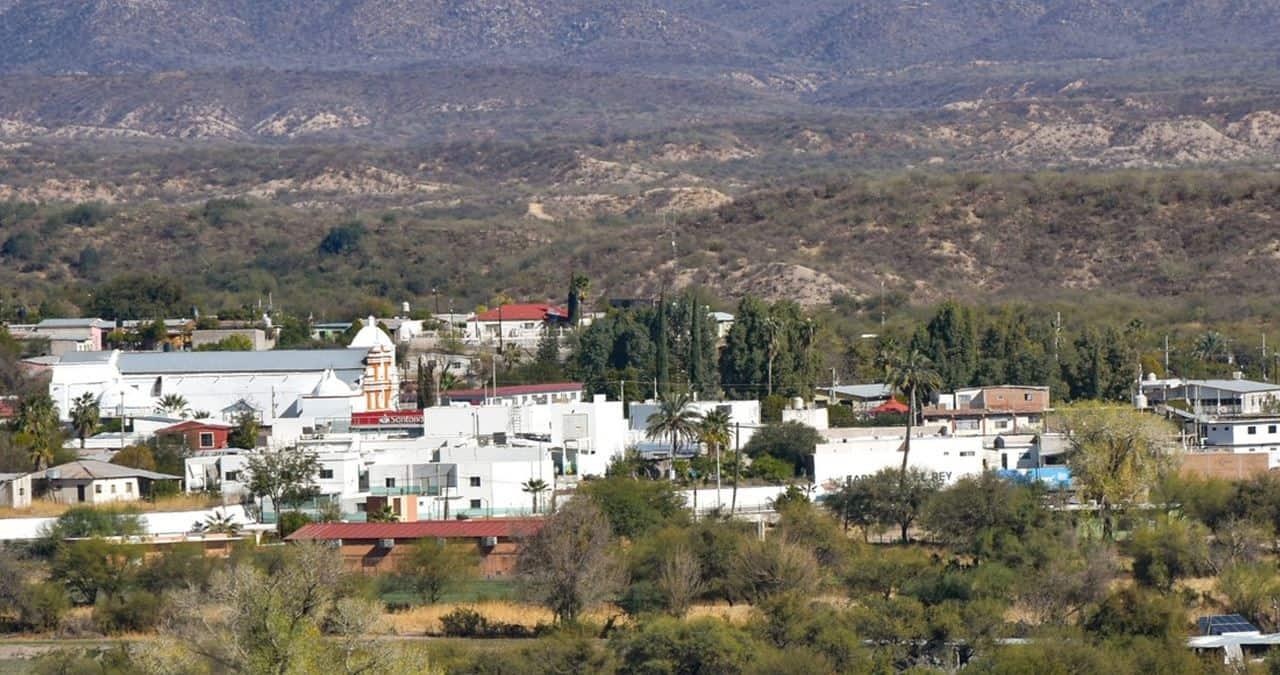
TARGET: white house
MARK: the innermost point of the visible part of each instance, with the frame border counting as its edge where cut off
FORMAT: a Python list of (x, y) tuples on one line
[(89, 481), (744, 417), (520, 324), (1236, 396)]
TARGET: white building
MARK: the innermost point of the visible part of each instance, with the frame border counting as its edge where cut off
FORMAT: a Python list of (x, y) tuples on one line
[(270, 384), (949, 458), (1236, 396), (90, 481)]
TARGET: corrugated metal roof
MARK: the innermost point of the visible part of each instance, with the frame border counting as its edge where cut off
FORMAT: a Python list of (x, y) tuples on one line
[(514, 390), (73, 323), (864, 390), (92, 468), (1238, 386), (493, 527), (242, 362)]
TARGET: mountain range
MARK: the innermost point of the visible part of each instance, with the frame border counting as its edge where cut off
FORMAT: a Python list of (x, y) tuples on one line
[(62, 36)]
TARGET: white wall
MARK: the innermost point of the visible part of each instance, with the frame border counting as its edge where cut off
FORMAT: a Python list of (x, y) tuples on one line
[(950, 458)]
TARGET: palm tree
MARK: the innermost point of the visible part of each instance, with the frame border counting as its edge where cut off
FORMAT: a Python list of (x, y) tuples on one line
[(911, 375), (218, 522), (85, 416), (173, 404), (714, 434), (1211, 346), (675, 420), (36, 428), (534, 486)]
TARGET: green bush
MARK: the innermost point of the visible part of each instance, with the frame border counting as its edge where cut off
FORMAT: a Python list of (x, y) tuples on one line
[(468, 623), (292, 521), (42, 605), (133, 611)]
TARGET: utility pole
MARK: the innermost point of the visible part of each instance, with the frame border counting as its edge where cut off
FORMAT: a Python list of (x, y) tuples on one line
[(1057, 332), (1264, 358), (882, 305), (737, 464), (1166, 355)]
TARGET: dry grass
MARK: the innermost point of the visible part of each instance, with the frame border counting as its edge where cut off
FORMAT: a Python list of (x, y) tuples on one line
[(425, 620), (43, 508), (737, 615)]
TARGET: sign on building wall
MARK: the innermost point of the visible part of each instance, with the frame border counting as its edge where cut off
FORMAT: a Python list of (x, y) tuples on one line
[(387, 419)]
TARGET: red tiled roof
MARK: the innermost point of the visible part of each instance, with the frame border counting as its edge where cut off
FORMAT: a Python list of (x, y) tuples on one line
[(492, 527), (513, 390), (525, 312), (893, 405)]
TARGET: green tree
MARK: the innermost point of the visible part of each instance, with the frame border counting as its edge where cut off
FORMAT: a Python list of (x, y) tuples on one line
[(173, 405), (343, 239), (952, 345), (791, 442), (231, 343), (245, 433), (285, 476), (675, 420), (135, 456), (715, 434), (570, 565), (36, 429), (635, 507), (85, 416), (984, 515), (899, 499), (138, 295), (764, 569), (1168, 549), (94, 567), (579, 287), (433, 566), (1117, 454)]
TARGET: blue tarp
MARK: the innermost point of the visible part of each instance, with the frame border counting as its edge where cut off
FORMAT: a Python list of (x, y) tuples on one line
[(1056, 477)]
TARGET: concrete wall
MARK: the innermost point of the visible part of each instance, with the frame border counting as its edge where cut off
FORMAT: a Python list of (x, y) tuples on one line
[(949, 458)]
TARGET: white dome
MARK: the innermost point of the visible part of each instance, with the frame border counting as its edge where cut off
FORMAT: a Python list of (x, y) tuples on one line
[(330, 386), (371, 336)]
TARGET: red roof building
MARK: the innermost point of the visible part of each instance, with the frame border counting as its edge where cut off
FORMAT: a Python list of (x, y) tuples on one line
[(525, 312), (199, 434), (379, 547)]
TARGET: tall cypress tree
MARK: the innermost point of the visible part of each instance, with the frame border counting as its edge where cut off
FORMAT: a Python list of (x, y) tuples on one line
[(661, 360), (696, 320)]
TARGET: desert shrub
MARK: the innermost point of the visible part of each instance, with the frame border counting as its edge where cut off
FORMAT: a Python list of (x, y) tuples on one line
[(132, 611), (41, 606), (467, 622)]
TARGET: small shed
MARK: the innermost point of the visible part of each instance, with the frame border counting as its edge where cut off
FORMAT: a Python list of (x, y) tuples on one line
[(90, 481), (15, 490)]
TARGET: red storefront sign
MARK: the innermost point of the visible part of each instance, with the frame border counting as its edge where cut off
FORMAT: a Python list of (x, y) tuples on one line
[(387, 419)]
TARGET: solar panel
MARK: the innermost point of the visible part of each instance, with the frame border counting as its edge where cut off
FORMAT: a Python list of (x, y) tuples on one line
[(1225, 623)]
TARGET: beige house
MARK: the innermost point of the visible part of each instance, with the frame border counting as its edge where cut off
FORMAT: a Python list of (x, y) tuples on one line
[(15, 490), (89, 481)]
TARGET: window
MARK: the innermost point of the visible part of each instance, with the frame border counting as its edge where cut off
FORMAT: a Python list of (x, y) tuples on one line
[(475, 503), (1271, 428), (232, 475), (326, 474), (1026, 397), (1002, 424), (128, 488), (389, 481), (1253, 430), (475, 481), (966, 453), (206, 439), (22, 491), (113, 488), (97, 489)]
